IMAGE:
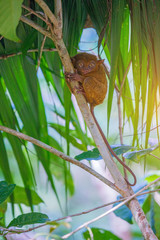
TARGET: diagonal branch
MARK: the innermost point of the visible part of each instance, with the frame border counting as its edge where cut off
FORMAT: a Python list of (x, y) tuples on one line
[(59, 154), (48, 12), (111, 210), (35, 13), (28, 51), (73, 215), (36, 26), (41, 51)]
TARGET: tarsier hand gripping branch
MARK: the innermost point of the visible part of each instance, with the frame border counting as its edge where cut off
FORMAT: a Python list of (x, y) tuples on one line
[(90, 74)]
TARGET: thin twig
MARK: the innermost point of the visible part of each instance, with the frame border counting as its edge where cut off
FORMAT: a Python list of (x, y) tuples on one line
[(36, 26), (120, 118), (120, 131), (59, 154), (48, 12), (35, 13), (111, 210), (43, 42), (140, 133), (154, 156), (41, 49), (75, 215), (28, 51)]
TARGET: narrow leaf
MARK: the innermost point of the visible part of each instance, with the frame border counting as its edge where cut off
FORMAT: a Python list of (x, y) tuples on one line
[(152, 177), (4, 161), (157, 219), (5, 190), (120, 148), (136, 155), (20, 196), (125, 213), (116, 23), (61, 130), (95, 155), (147, 204)]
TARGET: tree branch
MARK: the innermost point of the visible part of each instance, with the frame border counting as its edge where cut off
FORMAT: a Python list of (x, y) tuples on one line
[(29, 51), (73, 215), (41, 51), (48, 12), (36, 26), (58, 13), (35, 13), (111, 210), (59, 154)]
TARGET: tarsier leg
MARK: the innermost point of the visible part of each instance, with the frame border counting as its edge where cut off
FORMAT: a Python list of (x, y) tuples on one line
[(70, 77), (95, 90)]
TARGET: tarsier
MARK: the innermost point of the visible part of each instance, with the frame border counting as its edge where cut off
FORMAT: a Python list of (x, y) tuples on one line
[(90, 74)]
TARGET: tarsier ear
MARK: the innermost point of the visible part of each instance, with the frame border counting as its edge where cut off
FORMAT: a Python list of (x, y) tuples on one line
[(100, 61)]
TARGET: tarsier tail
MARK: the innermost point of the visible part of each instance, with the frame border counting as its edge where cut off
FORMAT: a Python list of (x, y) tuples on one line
[(90, 74)]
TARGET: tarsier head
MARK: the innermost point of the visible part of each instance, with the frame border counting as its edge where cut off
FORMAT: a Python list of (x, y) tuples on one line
[(86, 63)]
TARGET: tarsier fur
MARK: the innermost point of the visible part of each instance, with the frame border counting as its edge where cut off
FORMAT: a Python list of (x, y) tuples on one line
[(90, 74)]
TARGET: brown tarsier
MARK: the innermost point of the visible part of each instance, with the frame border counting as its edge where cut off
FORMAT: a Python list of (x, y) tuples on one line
[(90, 74)]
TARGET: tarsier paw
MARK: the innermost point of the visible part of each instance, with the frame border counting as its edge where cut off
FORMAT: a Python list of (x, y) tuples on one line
[(70, 77), (78, 90)]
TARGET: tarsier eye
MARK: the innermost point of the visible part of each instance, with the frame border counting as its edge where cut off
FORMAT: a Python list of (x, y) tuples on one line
[(80, 64), (92, 64)]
